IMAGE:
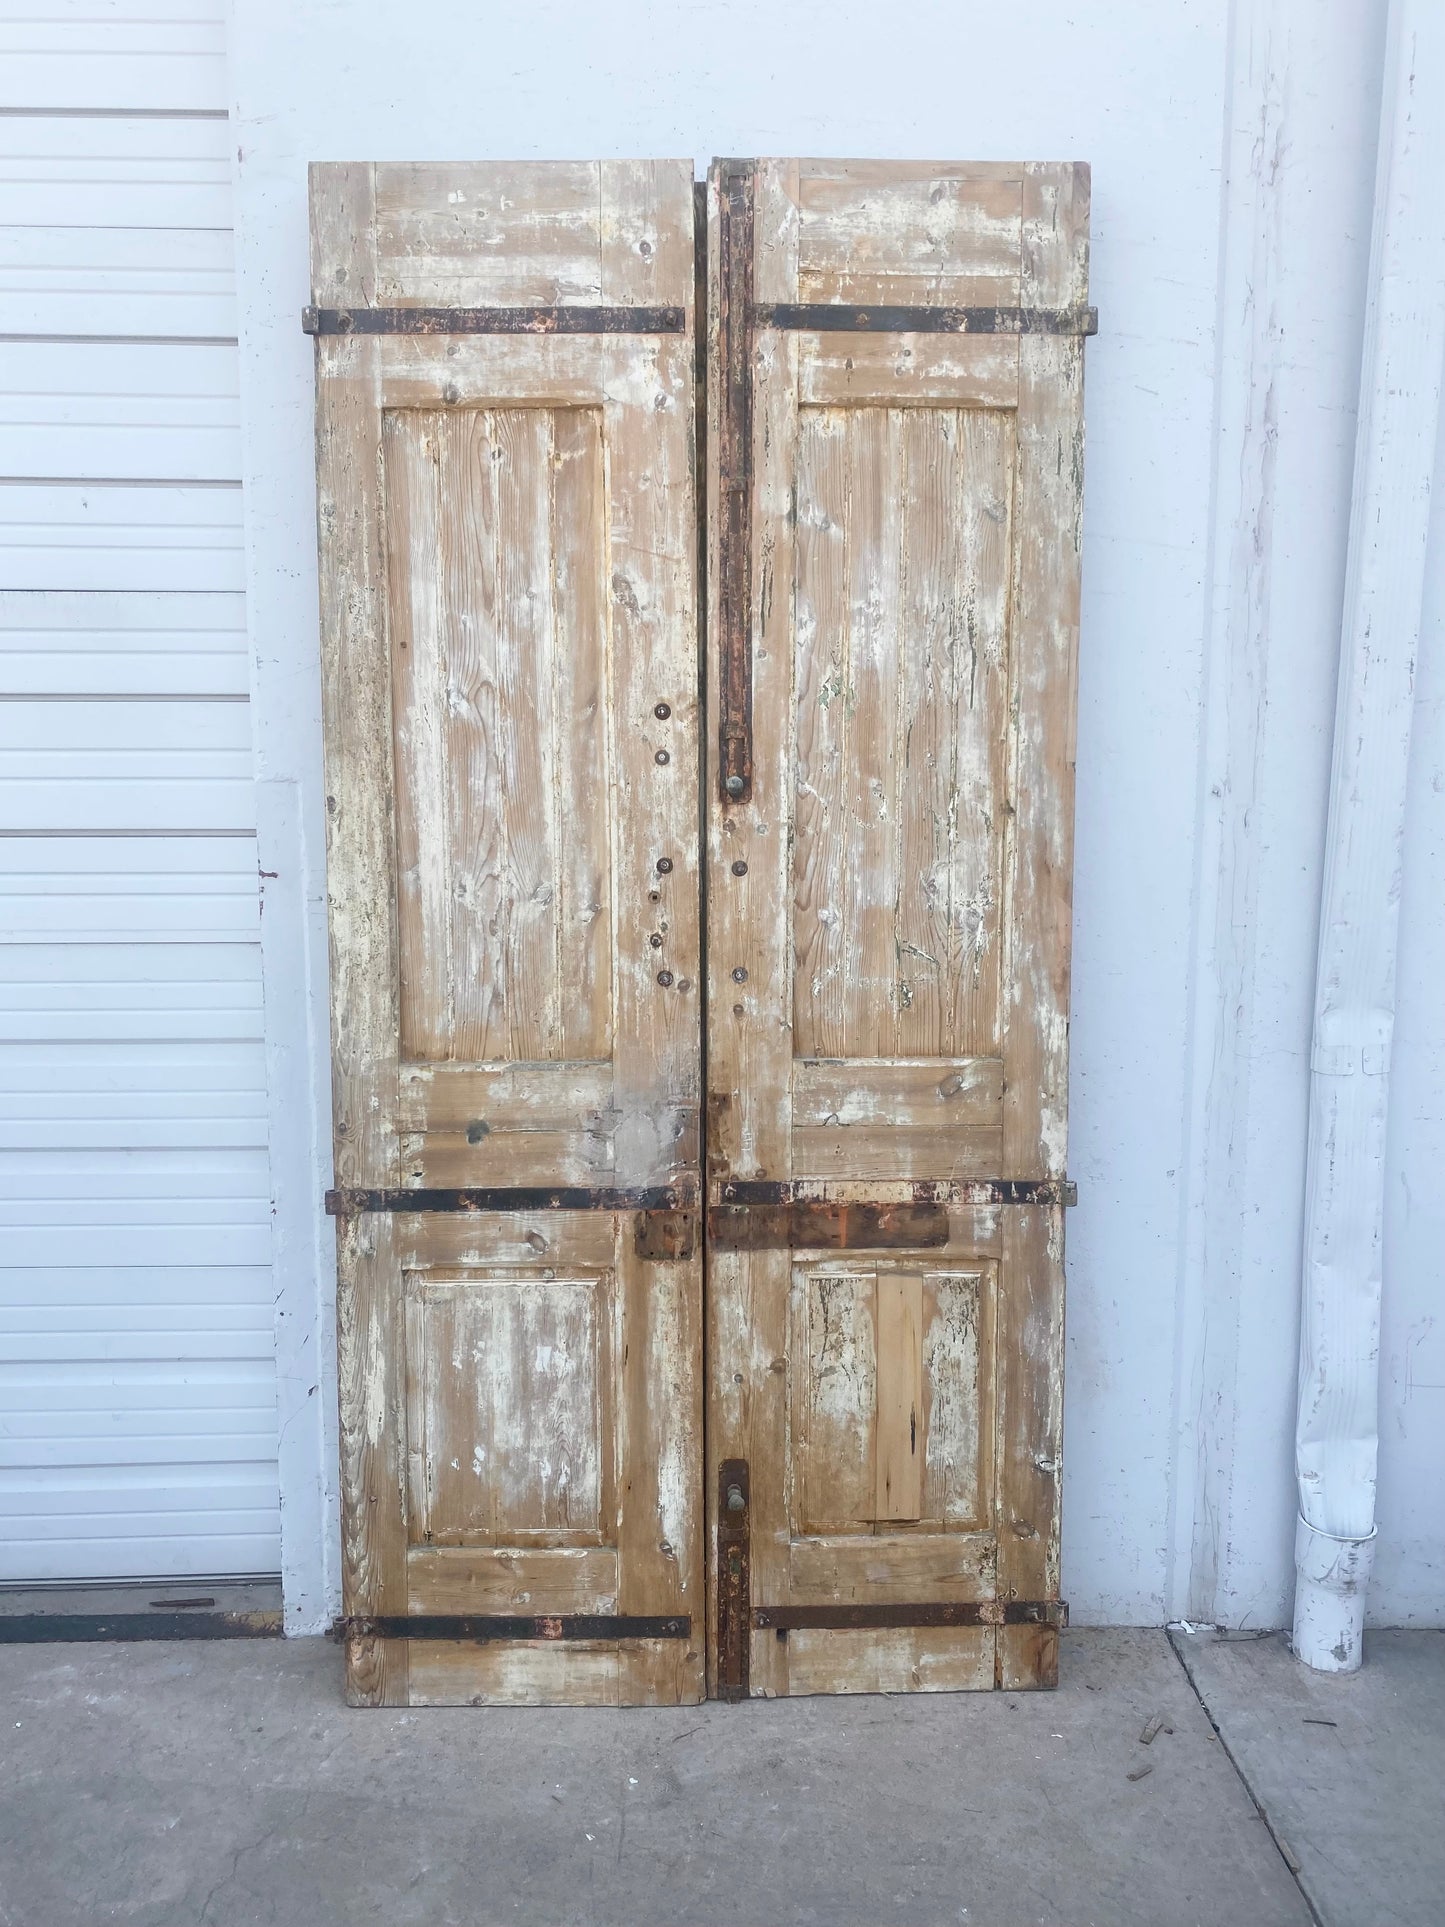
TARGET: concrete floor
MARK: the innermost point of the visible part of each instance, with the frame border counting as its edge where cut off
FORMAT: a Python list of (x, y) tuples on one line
[(204, 1784)]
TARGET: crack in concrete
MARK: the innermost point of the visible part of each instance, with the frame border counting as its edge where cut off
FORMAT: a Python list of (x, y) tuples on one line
[(1282, 1847)]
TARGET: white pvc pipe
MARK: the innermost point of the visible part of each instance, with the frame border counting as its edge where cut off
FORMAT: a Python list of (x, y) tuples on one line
[(1337, 1426)]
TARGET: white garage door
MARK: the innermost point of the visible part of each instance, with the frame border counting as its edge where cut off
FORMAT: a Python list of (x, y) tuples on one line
[(137, 1364)]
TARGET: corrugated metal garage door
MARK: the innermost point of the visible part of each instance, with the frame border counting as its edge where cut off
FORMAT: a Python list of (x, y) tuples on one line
[(137, 1364)]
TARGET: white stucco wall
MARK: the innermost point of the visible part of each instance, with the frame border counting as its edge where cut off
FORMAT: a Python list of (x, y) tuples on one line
[(1232, 148)]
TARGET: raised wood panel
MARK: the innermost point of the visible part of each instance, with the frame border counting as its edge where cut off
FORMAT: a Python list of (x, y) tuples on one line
[(892, 1398), (499, 656), (901, 603), (509, 1415)]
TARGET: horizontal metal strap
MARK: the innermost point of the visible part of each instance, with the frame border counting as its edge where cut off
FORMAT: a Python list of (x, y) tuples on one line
[(494, 321), (835, 317), (352, 1201), (827, 1227), (896, 1191), (481, 1627), (973, 1612)]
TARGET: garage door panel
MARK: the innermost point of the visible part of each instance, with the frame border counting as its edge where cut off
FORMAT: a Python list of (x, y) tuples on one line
[(93, 536), (137, 1305), (122, 645)]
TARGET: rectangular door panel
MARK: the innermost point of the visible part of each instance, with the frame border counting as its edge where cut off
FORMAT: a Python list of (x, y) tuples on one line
[(895, 433), (507, 517)]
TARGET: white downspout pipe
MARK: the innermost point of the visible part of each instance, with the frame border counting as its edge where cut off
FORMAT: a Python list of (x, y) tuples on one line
[(1404, 344)]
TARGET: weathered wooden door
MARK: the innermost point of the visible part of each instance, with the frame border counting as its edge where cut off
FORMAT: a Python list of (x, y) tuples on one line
[(509, 516), (508, 563), (894, 559)]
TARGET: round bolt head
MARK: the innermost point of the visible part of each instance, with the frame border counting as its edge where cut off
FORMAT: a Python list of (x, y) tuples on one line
[(733, 785), (740, 869), (662, 711), (662, 757), (664, 977), (664, 866), (740, 976)]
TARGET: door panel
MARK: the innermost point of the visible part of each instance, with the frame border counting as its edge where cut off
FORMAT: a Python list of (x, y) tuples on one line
[(508, 524), (893, 558)]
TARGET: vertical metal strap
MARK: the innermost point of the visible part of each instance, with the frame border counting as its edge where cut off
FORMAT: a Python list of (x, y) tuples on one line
[(734, 1581), (735, 479)]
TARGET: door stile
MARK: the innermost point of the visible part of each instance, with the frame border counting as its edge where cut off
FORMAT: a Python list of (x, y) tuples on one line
[(1045, 630), (356, 681)]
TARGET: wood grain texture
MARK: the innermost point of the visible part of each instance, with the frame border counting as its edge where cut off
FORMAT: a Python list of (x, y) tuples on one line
[(902, 1437), (509, 1579)]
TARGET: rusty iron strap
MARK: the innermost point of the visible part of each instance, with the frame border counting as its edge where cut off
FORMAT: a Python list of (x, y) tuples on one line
[(735, 480), (493, 321), (827, 1227), (353, 1201), (483, 1627), (973, 1612), (835, 317), (896, 1193), (734, 1580)]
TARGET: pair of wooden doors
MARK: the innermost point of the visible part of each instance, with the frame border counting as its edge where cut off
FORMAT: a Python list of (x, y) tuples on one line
[(659, 1379)]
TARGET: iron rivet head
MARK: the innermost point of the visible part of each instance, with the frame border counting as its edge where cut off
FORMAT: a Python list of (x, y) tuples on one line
[(664, 866), (662, 711), (737, 1010), (662, 757), (733, 785), (740, 976), (664, 977), (740, 869), (736, 1501), (655, 941), (684, 983)]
